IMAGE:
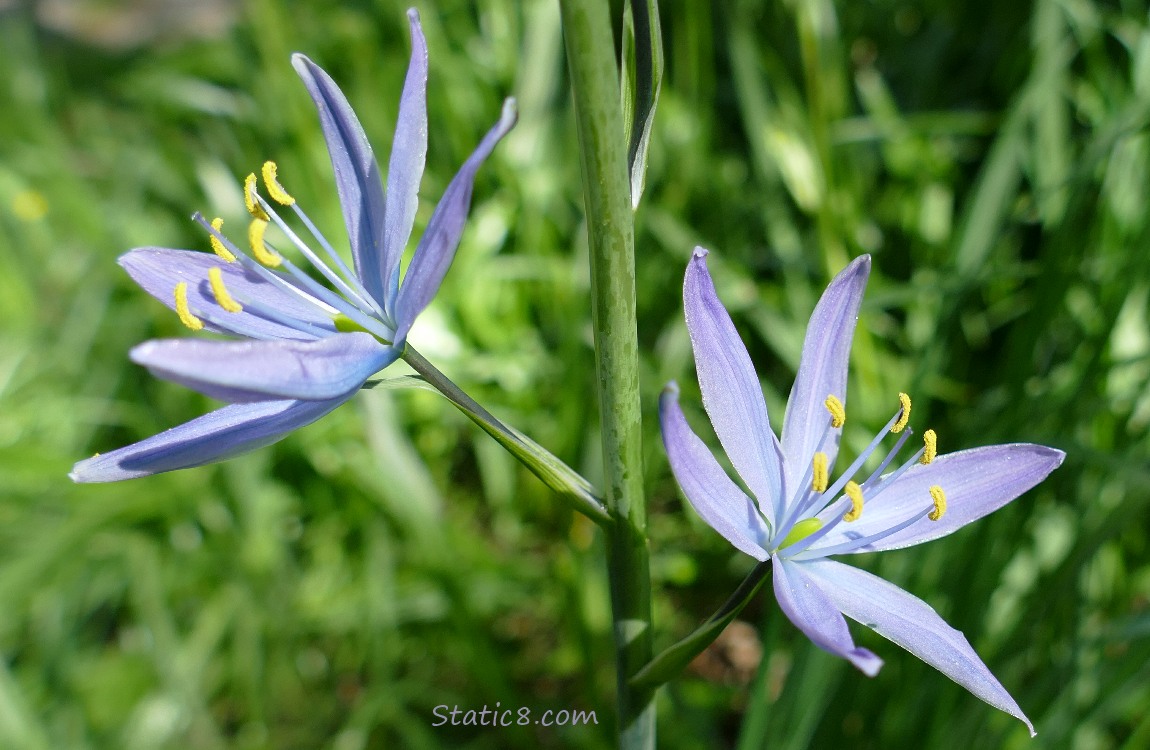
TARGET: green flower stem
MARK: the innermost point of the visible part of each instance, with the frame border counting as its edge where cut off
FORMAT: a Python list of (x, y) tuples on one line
[(554, 473), (603, 143)]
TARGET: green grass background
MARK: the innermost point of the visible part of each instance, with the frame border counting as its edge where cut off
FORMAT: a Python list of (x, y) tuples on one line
[(330, 591)]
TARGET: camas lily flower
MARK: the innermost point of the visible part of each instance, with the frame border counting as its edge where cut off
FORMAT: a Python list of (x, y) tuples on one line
[(304, 347), (802, 517)]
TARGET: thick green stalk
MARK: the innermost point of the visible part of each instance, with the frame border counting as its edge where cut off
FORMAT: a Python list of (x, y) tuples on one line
[(603, 144)]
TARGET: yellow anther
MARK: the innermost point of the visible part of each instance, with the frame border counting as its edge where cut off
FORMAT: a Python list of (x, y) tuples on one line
[(186, 317), (800, 531), (939, 498), (217, 246), (256, 232), (854, 492), (904, 415), (930, 447), (819, 478), (250, 202), (223, 299), (838, 412), (275, 190)]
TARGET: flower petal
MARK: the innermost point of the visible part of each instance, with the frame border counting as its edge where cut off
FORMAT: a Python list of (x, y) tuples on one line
[(356, 174), (812, 611), (710, 491), (258, 370), (216, 436), (977, 482), (436, 248), (731, 391), (408, 156), (823, 369), (158, 269), (913, 624)]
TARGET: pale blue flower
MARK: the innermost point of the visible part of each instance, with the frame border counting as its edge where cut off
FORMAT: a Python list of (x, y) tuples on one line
[(802, 517), (303, 347)]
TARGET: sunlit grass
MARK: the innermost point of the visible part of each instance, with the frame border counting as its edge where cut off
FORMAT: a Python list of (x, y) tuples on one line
[(332, 590)]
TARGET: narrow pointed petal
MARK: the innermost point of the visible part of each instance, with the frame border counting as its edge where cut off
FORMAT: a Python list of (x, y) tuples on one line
[(216, 436), (437, 247), (977, 482), (823, 369), (408, 156), (913, 624), (158, 269), (731, 391), (357, 175), (710, 491), (811, 610), (240, 371)]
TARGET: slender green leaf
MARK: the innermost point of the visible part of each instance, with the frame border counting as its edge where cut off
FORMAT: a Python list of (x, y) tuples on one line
[(640, 79), (667, 664)]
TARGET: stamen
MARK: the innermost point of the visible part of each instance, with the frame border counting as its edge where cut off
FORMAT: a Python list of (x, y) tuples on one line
[(787, 512), (256, 231), (186, 317), (904, 415), (258, 309), (889, 479), (819, 482), (275, 190), (217, 246), (939, 498), (854, 492), (876, 475), (853, 544), (223, 299), (352, 295), (338, 261), (269, 313), (307, 289), (263, 272), (838, 412), (374, 326), (930, 443), (250, 201), (850, 471)]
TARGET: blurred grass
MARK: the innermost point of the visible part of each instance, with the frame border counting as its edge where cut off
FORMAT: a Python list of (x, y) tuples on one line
[(332, 590)]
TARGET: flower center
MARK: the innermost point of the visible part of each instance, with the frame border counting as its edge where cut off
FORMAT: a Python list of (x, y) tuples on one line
[(347, 303), (845, 500)]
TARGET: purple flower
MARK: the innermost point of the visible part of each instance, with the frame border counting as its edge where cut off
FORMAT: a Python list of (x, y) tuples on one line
[(304, 347), (801, 517)]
